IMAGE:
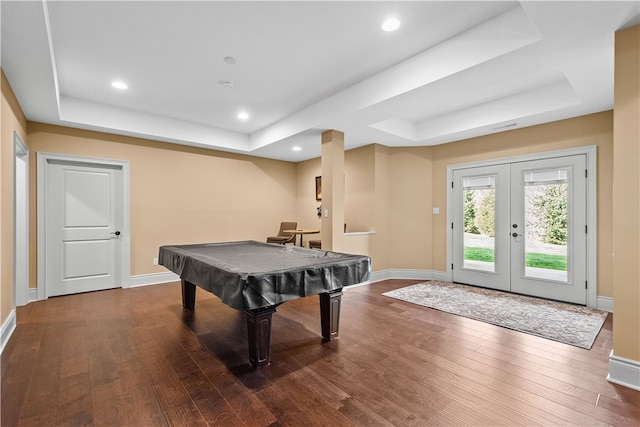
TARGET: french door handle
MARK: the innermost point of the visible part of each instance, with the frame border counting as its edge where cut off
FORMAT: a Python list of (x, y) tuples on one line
[(515, 234)]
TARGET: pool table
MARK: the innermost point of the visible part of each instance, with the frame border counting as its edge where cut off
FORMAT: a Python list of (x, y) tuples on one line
[(256, 277)]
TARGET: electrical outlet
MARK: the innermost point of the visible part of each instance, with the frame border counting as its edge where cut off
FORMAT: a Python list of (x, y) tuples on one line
[(155, 261)]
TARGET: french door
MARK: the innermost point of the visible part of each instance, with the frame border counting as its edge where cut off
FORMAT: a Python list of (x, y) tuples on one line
[(521, 227)]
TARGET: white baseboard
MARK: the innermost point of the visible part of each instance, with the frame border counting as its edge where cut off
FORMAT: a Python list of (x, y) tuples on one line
[(413, 274), (605, 303), (378, 276), (7, 329), (152, 279), (443, 276), (32, 295), (624, 372)]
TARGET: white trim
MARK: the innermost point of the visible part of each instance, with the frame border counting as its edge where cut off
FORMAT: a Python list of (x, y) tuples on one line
[(33, 294), (592, 218), (43, 160), (399, 273), (20, 238), (8, 327), (359, 233), (624, 372), (152, 279), (442, 276), (605, 303)]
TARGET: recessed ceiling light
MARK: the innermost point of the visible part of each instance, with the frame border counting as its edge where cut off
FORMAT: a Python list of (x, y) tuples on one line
[(119, 85), (227, 83), (391, 24), (229, 59), (243, 115), (296, 148)]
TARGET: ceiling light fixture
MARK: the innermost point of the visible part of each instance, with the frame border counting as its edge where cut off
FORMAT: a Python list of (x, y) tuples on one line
[(119, 85), (391, 24), (243, 115), (296, 148), (229, 59), (227, 83)]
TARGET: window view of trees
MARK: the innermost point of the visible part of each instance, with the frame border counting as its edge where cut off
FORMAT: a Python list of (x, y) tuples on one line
[(480, 211), (545, 228), (550, 211)]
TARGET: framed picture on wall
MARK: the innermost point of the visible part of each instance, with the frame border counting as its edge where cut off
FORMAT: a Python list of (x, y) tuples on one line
[(318, 188)]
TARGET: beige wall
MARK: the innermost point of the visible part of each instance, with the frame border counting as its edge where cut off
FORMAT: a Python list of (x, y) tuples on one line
[(626, 195), (181, 194), (410, 208), (359, 183), (381, 241), (12, 120)]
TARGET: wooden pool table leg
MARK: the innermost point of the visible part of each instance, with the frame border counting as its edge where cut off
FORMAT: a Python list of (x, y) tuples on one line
[(188, 295), (330, 314), (259, 334)]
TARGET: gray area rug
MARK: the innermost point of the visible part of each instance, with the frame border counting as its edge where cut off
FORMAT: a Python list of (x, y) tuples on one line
[(566, 323)]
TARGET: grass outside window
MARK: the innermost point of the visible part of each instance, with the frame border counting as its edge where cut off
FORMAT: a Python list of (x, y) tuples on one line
[(548, 261)]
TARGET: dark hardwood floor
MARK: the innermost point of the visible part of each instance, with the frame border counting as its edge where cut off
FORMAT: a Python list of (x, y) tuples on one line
[(133, 357)]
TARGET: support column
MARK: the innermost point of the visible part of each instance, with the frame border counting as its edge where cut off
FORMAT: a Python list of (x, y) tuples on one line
[(332, 166)]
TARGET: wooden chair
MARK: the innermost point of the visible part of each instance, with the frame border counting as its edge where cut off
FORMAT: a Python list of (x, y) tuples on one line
[(317, 244), (282, 237)]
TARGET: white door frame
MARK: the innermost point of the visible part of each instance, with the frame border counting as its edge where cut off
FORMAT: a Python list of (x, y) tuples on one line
[(44, 159), (20, 222), (592, 223)]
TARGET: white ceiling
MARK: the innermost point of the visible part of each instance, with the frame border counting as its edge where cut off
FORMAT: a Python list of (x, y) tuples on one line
[(452, 70)]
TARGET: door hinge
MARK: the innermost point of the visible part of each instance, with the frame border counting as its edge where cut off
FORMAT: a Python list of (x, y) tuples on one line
[(452, 266), (586, 284), (586, 229), (451, 184), (452, 226), (586, 173)]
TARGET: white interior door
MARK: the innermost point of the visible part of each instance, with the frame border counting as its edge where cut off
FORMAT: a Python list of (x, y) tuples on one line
[(84, 219), (521, 227)]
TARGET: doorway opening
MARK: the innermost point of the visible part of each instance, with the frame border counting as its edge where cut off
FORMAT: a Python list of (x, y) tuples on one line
[(20, 221)]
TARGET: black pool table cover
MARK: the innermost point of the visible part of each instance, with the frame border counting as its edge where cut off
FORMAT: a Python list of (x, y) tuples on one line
[(249, 275)]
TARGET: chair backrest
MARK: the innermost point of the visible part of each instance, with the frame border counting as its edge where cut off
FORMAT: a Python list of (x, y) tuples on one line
[(287, 226)]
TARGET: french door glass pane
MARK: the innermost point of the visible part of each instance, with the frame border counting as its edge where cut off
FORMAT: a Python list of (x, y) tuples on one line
[(479, 196), (545, 222)]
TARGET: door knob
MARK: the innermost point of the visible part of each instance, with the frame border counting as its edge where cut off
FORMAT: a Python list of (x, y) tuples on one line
[(117, 233), (515, 234)]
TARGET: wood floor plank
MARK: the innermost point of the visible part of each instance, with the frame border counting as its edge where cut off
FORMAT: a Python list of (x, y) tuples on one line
[(134, 357), (242, 402)]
